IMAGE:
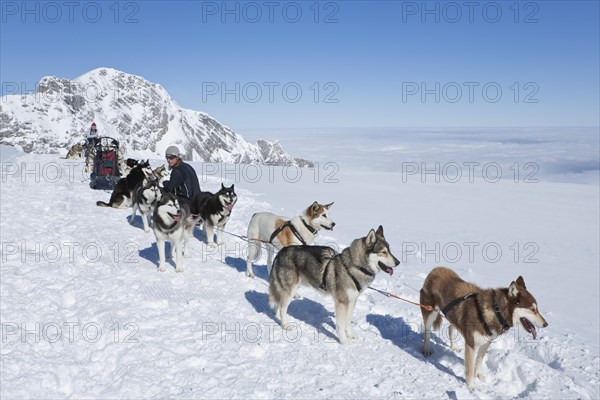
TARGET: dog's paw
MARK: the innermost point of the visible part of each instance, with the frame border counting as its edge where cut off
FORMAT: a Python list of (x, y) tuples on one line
[(351, 335), (250, 274), (178, 269), (481, 376), (456, 348), (162, 268), (212, 245), (147, 230), (286, 326), (297, 297), (426, 351)]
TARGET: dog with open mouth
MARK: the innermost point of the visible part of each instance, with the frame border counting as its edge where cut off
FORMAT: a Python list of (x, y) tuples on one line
[(343, 275), (480, 315)]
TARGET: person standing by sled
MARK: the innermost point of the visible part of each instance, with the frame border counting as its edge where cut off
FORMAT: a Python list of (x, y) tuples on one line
[(92, 136), (184, 181)]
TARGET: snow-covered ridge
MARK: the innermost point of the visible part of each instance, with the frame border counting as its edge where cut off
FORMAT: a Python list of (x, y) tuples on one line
[(140, 114)]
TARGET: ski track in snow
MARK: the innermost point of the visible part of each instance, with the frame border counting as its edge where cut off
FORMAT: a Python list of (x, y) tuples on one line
[(208, 332)]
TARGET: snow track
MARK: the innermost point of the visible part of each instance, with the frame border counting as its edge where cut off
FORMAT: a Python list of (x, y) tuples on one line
[(85, 314)]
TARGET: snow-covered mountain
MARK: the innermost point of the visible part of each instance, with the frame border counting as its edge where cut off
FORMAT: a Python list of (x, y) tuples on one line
[(140, 114)]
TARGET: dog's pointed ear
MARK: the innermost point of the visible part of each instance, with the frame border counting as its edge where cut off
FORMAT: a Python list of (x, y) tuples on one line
[(222, 186), (379, 231), (232, 185), (328, 205), (370, 239), (513, 292), (521, 282), (314, 207)]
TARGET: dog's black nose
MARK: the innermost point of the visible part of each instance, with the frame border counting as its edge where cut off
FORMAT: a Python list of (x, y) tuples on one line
[(545, 324), (332, 224)]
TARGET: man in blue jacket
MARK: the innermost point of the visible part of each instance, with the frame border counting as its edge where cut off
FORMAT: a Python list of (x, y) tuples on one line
[(184, 181)]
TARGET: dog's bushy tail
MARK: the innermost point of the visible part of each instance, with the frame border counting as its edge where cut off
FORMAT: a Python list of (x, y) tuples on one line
[(102, 204), (427, 299), (274, 293), (274, 298)]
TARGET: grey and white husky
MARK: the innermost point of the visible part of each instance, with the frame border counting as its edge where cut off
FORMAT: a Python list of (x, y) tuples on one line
[(144, 198), (343, 275), (172, 221), (480, 315)]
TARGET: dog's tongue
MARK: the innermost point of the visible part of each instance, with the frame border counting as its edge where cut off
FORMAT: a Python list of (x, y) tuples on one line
[(386, 269), (230, 207), (176, 217), (529, 327)]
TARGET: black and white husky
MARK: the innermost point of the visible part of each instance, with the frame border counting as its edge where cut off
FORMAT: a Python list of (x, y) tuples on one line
[(144, 198), (172, 221), (214, 210), (121, 195)]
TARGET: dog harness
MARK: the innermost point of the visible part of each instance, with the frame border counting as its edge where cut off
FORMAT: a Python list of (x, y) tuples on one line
[(288, 224), (473, 295), (365, 271)]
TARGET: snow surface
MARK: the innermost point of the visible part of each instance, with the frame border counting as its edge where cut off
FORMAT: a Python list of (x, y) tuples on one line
[(85, 314)]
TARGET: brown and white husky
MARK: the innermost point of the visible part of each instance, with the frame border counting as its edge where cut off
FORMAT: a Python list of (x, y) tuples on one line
[(276, 232), (480, 315)]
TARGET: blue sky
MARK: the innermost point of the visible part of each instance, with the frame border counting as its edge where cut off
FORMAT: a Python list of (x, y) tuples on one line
[(328, 64)]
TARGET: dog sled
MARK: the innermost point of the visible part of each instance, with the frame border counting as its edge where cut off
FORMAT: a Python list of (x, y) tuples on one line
[(105, 168)]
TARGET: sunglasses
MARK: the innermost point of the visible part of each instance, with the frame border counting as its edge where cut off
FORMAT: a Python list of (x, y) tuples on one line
[(171, 157)]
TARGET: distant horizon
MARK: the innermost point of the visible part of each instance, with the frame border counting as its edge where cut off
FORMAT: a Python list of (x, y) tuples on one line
[(27, 90)]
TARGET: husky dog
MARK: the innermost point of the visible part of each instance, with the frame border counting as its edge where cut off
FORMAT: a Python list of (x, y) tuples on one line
[(276, 231), (121, 195), (78, 150), (130, 163), (159, 174), (144, 198), (343, 275), (214, 211), (172, 221), (480, 315)]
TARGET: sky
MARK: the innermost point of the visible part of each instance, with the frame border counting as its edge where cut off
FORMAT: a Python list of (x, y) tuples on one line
[(328, 64)]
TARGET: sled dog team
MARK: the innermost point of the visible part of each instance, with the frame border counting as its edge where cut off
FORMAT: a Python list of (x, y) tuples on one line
[(480, 315)]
